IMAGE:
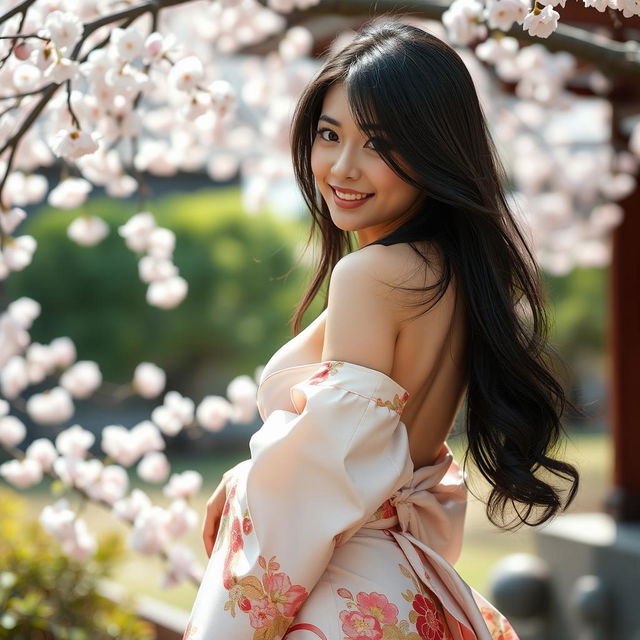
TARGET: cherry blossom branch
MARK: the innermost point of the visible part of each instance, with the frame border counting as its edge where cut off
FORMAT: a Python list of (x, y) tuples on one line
[(611, 56), (25, 94), (13, 44), (20, 8), (24, 36), (19, 455)]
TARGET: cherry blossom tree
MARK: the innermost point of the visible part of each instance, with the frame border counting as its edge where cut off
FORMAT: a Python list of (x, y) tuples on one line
[(108, 92)]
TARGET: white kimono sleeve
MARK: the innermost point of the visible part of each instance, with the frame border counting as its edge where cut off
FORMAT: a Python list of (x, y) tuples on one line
[(313, 479)]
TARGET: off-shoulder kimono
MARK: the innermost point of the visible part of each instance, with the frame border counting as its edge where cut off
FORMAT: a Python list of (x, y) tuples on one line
[(329, 533)]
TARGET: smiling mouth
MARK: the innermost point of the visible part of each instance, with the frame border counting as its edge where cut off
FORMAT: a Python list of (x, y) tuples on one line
[(351, 196)]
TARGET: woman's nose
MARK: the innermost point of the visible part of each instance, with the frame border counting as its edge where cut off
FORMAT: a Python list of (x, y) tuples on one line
[(345, 165)]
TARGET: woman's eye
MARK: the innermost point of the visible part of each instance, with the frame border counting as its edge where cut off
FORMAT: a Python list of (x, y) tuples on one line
[(375, 143), (326, 134)]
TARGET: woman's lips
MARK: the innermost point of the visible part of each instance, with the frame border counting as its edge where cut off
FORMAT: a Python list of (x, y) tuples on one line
[(349, 204)]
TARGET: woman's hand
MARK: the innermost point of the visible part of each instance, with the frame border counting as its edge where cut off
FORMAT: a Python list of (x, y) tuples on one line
[(213, 513)]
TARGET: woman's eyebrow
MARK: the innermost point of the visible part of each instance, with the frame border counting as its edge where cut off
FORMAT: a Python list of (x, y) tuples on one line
[(330, 120), (337, 124)]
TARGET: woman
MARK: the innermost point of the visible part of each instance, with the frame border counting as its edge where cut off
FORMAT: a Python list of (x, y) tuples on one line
[(345, 521)]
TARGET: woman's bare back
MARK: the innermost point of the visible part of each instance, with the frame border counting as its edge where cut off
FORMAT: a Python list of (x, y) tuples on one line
[(429, 358)]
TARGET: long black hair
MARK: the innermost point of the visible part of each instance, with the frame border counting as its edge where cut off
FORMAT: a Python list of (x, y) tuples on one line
[(419, 93)]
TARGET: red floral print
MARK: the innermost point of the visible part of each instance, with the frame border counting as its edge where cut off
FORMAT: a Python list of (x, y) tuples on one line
[(385, 510), (378, 606), (359, 626), (328, 368), (271, 602), (499, 626), (236, 536), (287, 598), (262, 613), (429, 624)]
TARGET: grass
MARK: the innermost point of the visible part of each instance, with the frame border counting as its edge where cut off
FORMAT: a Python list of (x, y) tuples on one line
[(484, 544)]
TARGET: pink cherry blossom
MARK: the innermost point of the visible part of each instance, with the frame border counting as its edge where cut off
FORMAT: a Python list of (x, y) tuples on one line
[(26, 77), (70, 193), (543, 23), (183, 485), (9, 220), (40, 362), (297, 42), (18, 252), (186, 74), (43, 452), (129, 508), (162, 242), (88, 231), (501, 14), (118, 443), (14, 377), (154, 467), (64, 351), (168, 293), (21, 473), (151, 269), (112, 484), (12, 431), (462, 20), (148, 380), (128, 42), (149, 530), (176, 412), (24, 311), (63, 27), (147, 437), (153, 46), (76, 472), (74, 442), (214, 412), (82, 545), (137, 231), (82, 379), (182, 518), (182, 566)]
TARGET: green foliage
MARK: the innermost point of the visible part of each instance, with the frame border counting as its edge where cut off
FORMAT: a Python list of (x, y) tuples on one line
[(235, 314), (578, 310), (46, 596)]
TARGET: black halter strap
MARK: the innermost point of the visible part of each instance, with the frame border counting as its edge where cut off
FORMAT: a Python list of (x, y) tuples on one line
[(410, 231)]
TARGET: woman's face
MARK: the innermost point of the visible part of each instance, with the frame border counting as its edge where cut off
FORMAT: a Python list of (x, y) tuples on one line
[(362, 192)]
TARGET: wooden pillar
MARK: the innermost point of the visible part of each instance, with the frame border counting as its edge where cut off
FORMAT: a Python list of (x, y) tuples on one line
[(623, 501)]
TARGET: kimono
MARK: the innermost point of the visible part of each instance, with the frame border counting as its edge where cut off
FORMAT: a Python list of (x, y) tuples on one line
[(329, 533)]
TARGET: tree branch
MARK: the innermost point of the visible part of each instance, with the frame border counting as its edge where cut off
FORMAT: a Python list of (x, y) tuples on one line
[(610, 56)]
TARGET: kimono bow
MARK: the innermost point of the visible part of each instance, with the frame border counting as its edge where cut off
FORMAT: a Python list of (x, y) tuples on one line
[(431, 507)]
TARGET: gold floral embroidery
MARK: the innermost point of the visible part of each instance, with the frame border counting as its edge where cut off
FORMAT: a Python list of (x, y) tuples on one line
[(385, 510), (396, 405)]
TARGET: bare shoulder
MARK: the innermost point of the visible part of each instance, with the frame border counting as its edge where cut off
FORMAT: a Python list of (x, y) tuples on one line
[(365, 310), (388, 270)]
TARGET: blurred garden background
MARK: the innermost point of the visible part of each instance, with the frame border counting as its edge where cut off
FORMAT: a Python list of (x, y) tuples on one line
[(243, 287)]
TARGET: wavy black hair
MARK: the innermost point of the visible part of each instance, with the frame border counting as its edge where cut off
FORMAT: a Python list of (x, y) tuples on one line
[(419, 92)]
